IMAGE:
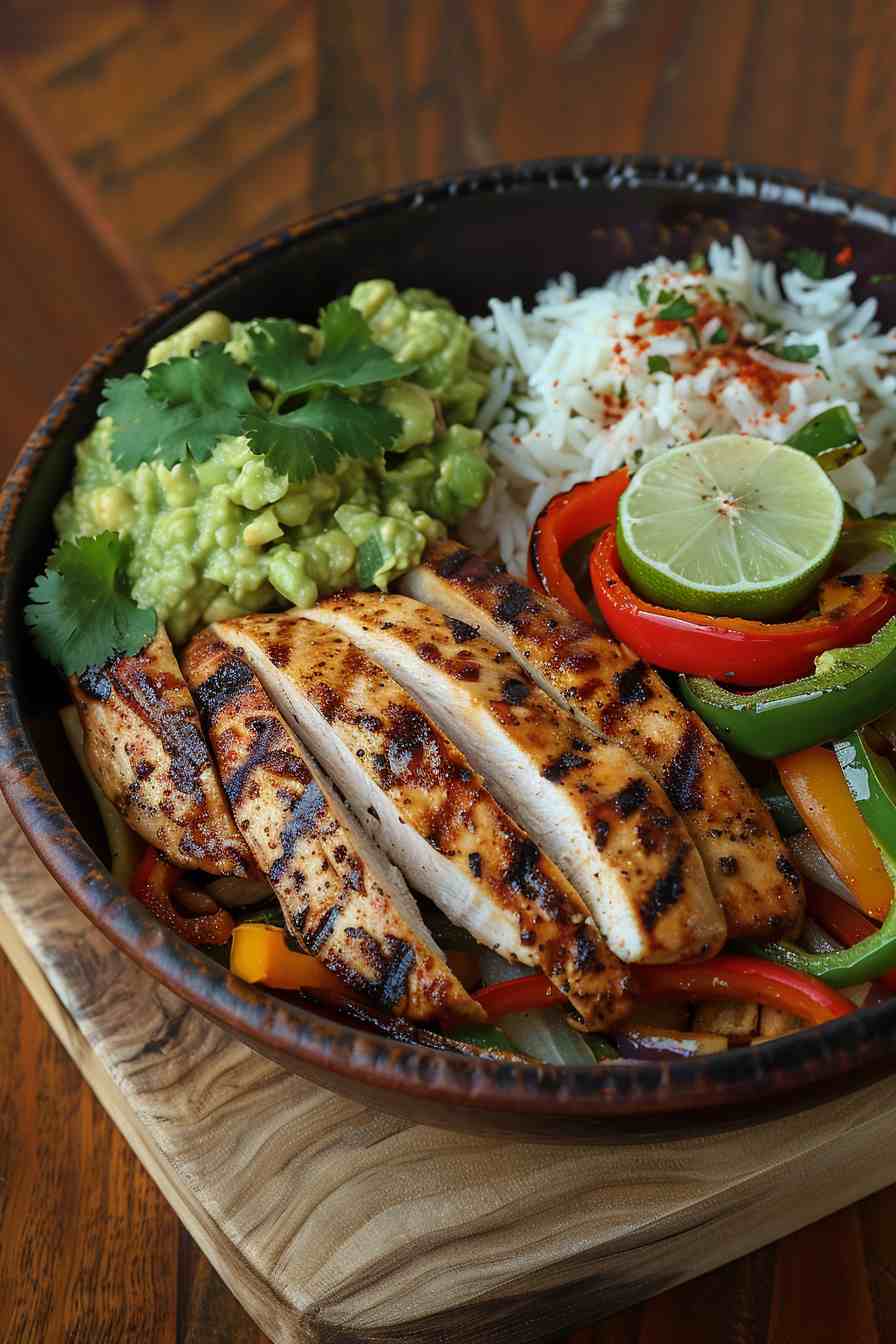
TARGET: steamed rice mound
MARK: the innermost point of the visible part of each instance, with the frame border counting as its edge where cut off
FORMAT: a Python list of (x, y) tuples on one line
[(584, 382)]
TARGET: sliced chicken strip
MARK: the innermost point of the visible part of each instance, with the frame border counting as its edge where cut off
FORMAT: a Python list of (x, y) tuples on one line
[(420, 799), (145, 748), (340, 896), (613, 692), (598, 814)]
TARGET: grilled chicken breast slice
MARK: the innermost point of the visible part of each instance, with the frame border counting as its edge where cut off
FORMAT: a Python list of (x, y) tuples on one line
[(597, 813), (613, 692), (145, 749), (340, 896), (419, 798)]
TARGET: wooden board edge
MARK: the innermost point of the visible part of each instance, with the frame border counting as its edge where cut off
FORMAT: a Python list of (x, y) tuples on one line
[(284, 1326), (626, 1275)]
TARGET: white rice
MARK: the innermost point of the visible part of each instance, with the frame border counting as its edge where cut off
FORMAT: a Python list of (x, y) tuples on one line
[(548, 427)]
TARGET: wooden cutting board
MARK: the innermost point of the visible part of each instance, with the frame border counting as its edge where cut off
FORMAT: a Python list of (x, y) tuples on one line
[(333, 1222)]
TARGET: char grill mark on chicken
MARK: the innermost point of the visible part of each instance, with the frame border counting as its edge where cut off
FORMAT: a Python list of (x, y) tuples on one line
[(614, 693), (145, 747), (598, 814), (420, 799), (341, 898)]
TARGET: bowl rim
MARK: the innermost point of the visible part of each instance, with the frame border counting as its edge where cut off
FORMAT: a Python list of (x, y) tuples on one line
[(814, 1056)]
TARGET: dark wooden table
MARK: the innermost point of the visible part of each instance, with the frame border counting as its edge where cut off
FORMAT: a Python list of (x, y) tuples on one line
[(139, 139)]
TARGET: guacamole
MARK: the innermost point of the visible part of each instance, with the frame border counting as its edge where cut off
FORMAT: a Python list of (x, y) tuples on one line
[(217, 538)]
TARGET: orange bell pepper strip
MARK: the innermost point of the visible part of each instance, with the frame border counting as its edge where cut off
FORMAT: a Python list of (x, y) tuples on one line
[(259, 954), (816, 786)]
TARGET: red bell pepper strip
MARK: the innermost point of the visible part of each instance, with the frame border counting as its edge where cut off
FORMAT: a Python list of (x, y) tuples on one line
[(153, 885), (729, 649), (726, 977), (747, 978), (843, 922), (519, 996), (562, 522)]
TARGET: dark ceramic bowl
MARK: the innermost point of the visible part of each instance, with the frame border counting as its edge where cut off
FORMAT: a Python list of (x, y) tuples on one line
[(500, 231)]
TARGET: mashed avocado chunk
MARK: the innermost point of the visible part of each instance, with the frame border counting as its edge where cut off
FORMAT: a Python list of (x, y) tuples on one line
[(228, 535), (419, 326)]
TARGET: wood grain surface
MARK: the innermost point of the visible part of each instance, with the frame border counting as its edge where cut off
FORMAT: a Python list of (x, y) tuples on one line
[(142, 139), (336, 1224)]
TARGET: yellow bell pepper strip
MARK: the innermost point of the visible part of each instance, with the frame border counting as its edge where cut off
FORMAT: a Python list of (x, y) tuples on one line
[(259, 954), (848, 688), (818, 790)]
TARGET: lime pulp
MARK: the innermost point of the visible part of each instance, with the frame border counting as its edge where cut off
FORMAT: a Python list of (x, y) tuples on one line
[(729, 526)]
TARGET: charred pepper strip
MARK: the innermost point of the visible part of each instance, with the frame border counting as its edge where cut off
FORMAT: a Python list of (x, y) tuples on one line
[(848, 688), (154, 883), (747, 653), (564, 521)]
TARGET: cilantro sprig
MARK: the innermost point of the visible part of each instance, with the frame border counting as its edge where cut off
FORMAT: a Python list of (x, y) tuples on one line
[(81, 612), (180, 408), (807, 260)]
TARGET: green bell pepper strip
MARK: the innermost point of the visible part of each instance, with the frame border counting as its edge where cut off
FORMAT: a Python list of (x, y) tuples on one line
[(485, 1036), (872, 782), (780, 804), (868, 960), (862, 537), (600, 1048), (848, 688), (831, 438)]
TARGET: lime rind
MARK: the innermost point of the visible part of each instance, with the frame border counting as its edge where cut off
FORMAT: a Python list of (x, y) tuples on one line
[(731, 525)]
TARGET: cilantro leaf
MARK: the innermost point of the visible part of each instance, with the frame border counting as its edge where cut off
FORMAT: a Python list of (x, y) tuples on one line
[(658, 364), (207, 392), (677, 310), (643, 293), (807, 260), (81, 612), (719, 336), (181, 407), (797, 354), (313, 437), (142, 424), (349, 357), (279, 350), (697, 262)]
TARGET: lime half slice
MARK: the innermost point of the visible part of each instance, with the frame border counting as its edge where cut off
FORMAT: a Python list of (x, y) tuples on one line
[(730, 526)]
